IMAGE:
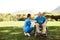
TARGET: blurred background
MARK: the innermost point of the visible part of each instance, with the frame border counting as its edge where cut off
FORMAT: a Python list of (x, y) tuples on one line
[(13, 14), (16, 10)]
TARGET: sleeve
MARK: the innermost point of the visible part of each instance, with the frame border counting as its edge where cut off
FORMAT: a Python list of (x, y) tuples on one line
[(44, 18), (28, 22)]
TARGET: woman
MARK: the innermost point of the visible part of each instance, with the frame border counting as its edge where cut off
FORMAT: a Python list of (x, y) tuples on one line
[(27, 26)]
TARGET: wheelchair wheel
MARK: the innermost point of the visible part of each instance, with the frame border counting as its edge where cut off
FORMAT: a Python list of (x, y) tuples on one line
[(38, 34)]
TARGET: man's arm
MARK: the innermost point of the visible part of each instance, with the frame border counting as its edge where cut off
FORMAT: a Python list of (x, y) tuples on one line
[(44, 19)]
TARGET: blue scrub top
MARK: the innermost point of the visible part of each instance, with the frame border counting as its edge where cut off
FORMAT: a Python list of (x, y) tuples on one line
[(27, 25), (40, 20)]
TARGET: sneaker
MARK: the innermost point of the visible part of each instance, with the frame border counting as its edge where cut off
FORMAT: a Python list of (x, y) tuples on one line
[(28, 34), (25, 34)]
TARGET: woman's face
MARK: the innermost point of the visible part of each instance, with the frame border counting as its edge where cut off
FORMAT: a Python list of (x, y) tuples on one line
[(30, 17)]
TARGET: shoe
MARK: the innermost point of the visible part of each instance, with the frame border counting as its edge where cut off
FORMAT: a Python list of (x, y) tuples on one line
[(25, 34), (28, 34)]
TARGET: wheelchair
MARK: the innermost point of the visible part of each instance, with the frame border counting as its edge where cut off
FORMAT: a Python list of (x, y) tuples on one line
[(40, 34)]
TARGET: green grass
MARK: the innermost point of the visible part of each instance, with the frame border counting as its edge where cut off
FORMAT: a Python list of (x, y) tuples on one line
[(14, 31)]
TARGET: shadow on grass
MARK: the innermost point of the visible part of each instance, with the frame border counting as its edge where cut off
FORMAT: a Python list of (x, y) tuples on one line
[(16, 33)]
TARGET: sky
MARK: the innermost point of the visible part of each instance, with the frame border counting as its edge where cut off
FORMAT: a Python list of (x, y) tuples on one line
[(10, 6)]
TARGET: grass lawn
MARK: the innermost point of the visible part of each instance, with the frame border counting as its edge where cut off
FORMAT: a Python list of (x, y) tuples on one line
[(14, 31)]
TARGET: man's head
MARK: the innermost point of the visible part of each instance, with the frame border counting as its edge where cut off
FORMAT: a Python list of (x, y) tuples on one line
[(40, 14)]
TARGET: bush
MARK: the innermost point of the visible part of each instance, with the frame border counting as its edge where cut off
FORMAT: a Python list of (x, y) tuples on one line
[(22, 19), (1, 19)]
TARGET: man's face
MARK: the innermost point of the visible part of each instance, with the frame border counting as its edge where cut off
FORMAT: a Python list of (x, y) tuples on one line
[(39, 14)]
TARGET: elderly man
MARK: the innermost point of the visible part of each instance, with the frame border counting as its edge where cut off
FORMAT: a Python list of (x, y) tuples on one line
[(40, 23)]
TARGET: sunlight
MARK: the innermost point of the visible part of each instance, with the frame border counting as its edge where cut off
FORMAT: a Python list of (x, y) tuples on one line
[(15, 32), (18, 5), (5, 31)]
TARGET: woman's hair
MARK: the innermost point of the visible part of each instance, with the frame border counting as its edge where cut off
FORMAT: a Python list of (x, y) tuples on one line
[(28, 15)]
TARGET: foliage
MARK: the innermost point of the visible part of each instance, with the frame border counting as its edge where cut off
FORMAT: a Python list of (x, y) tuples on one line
[(22, 17)]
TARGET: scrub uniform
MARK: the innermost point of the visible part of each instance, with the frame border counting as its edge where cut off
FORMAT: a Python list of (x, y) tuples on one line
[(27, 26)]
